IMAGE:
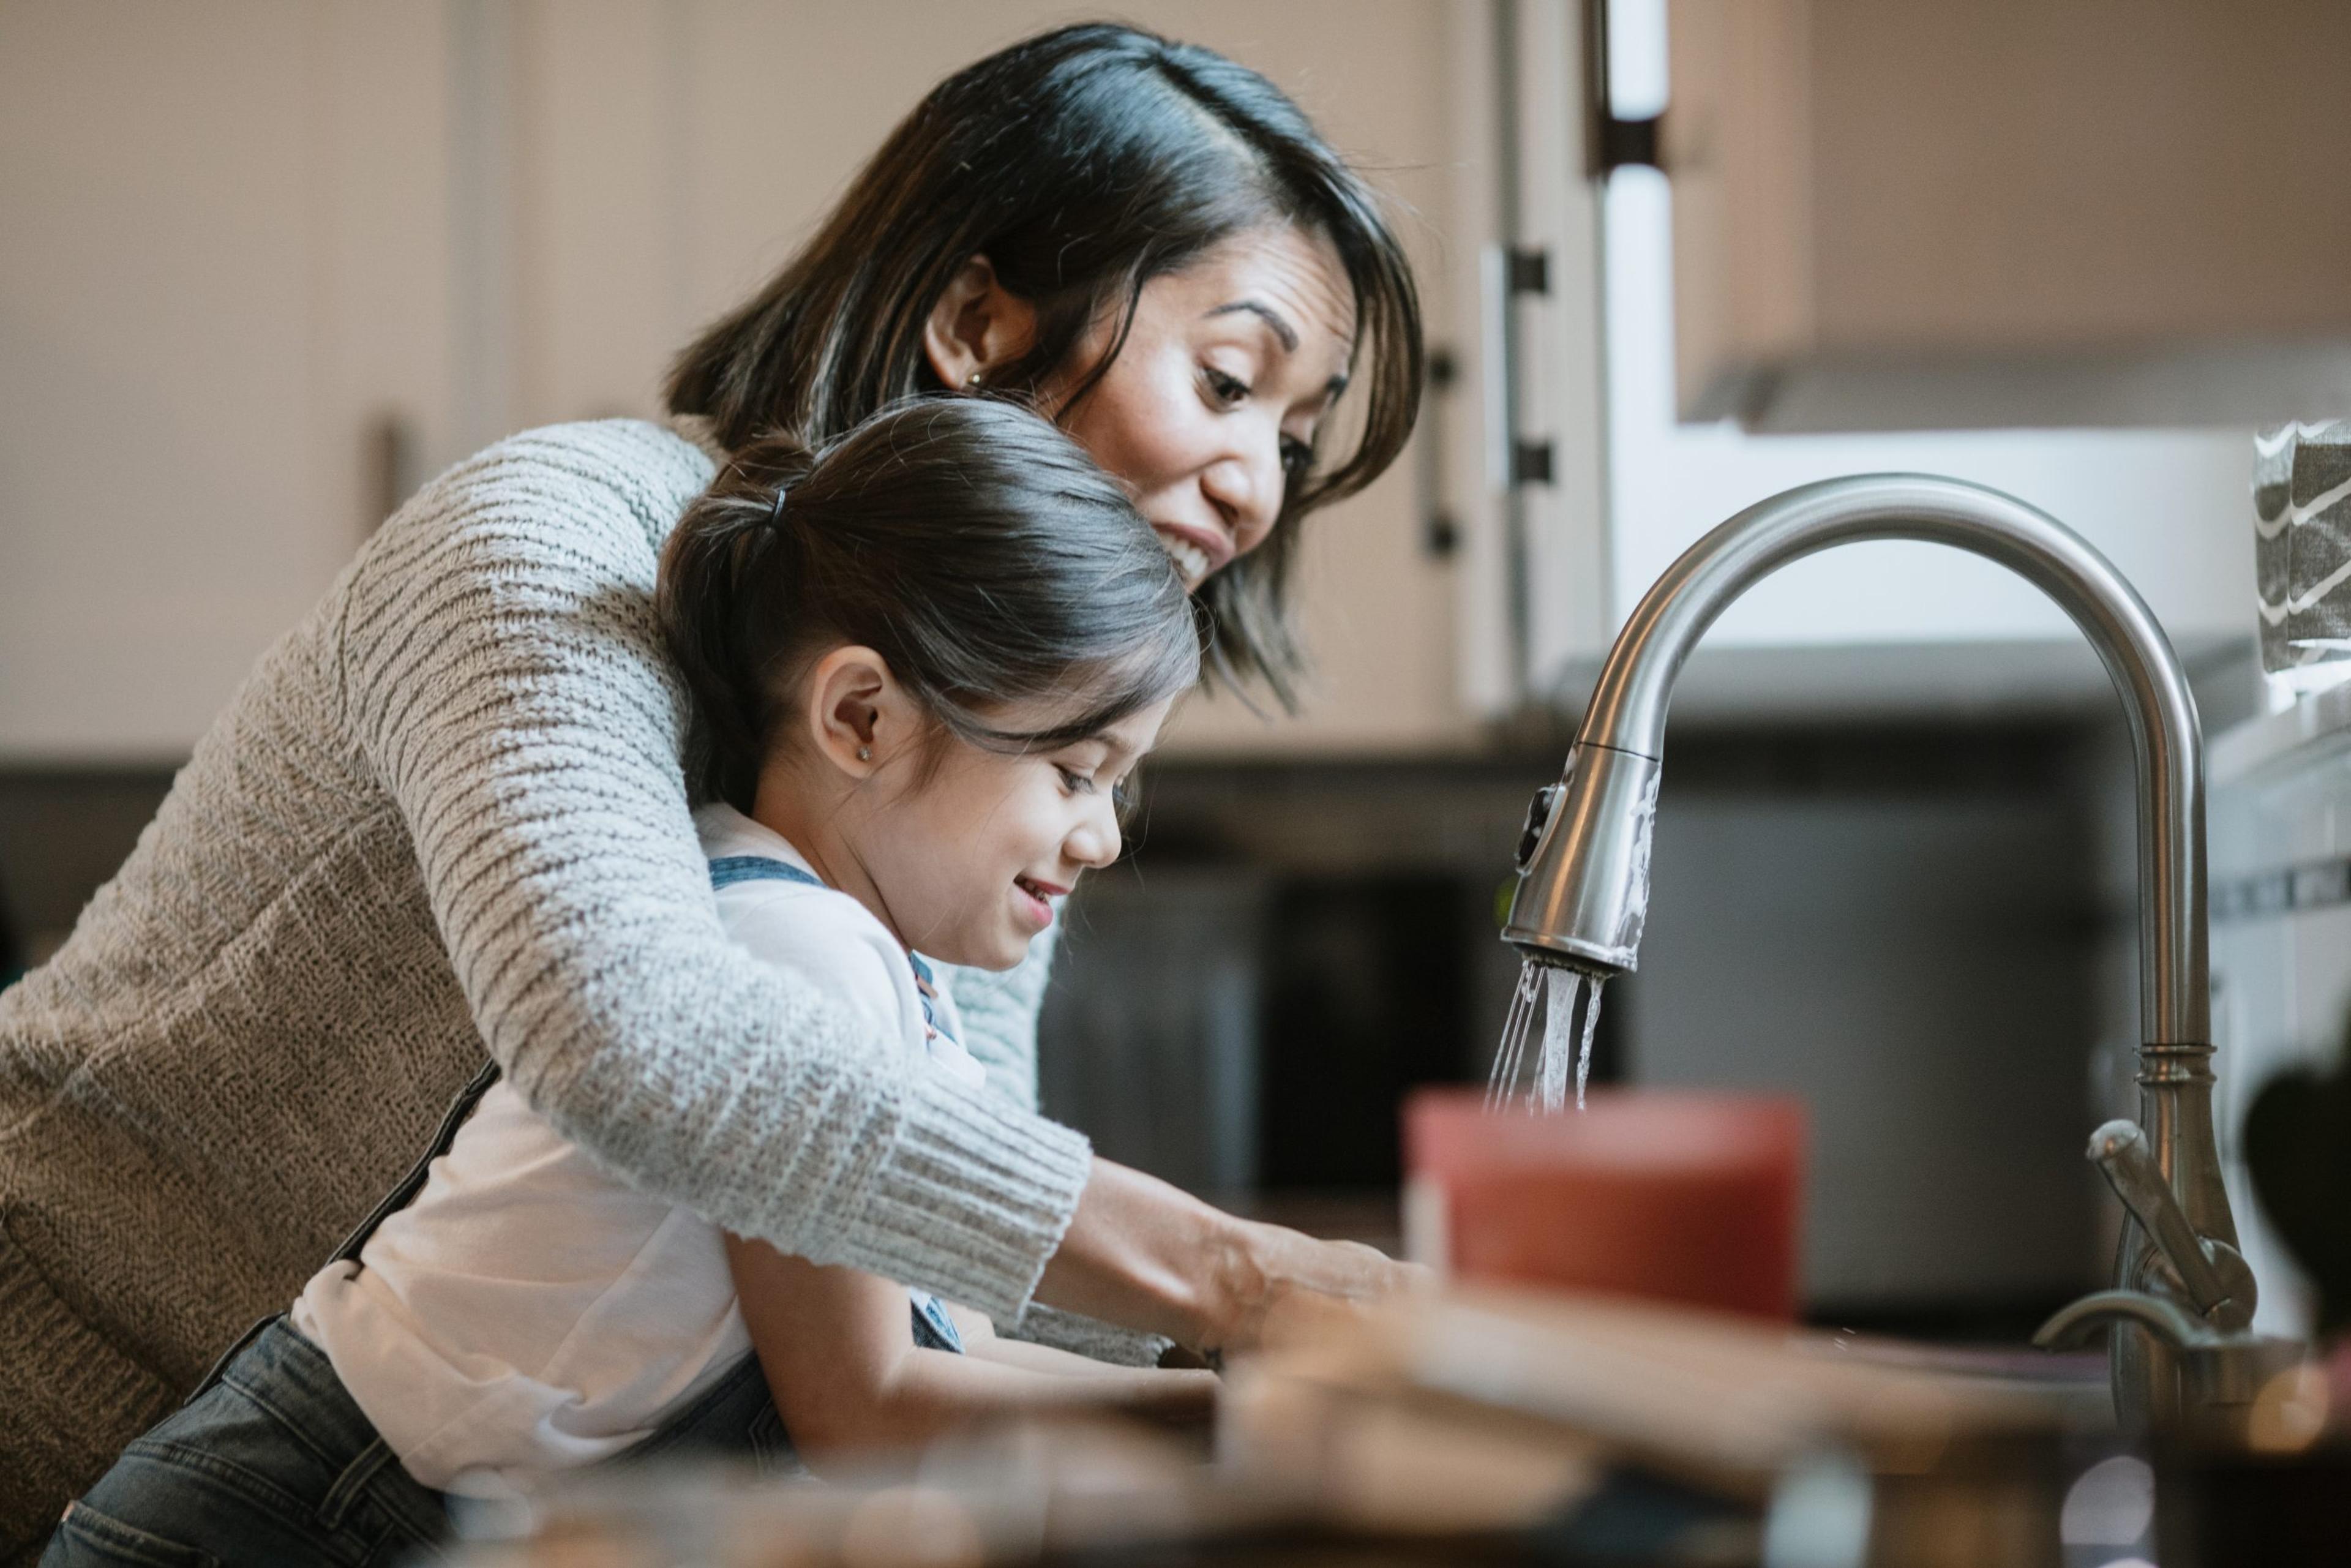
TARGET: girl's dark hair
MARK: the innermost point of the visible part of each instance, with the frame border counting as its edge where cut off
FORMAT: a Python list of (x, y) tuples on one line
[(972, 544), (1082, 163)]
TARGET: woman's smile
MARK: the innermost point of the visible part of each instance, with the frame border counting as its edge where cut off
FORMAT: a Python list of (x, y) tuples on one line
[(1196, 552)]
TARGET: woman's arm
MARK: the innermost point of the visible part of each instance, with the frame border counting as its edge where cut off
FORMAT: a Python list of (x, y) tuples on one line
[(839, 1354), (502, 674), (1149, 1255)]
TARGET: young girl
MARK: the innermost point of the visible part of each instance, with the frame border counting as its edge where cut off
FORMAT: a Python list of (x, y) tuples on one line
[(920, 664)]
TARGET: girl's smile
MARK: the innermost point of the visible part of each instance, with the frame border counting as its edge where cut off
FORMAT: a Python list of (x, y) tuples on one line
[(1036, 893)]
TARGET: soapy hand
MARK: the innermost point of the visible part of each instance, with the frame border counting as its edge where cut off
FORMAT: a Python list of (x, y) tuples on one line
[(1294, 1288), (1146, 1255)]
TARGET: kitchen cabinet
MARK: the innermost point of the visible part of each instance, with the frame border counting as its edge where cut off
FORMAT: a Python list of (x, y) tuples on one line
[(1882, 629), (269, 267), (1907, 214), (220, 275), (267, 272)]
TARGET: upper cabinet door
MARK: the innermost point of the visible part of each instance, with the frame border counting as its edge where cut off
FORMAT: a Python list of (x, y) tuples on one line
[(1908, 213), (222, 291)]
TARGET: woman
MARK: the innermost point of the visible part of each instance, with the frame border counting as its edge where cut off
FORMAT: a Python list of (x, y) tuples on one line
[(446, 810)]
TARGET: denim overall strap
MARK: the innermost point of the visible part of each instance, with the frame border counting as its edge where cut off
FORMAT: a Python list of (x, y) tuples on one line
[(728, 870), (926, 987)]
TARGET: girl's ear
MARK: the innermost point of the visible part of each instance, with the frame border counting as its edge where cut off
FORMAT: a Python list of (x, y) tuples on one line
[(977, 326), (858, 715)]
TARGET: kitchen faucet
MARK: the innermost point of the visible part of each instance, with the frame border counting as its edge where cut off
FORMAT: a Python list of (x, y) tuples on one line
[(2183, 1297)]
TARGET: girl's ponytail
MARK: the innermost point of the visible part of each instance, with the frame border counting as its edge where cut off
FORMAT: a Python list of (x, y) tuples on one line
[(970, 543), (731, 542)]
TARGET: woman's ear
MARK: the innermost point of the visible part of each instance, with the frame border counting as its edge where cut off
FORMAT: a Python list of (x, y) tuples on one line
[(858, 715), (976, 327)]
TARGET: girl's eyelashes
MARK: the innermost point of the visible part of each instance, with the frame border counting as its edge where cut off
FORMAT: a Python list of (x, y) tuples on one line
[(1121, 794)]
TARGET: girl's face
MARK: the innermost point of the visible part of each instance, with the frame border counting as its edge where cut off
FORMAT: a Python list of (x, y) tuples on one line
[(964, 859), (1211, 406)]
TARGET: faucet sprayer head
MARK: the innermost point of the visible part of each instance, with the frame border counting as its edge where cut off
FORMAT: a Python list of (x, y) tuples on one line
[(1584, 863)]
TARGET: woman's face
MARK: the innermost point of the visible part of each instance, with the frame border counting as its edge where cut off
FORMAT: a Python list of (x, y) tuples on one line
[(1229, 367)]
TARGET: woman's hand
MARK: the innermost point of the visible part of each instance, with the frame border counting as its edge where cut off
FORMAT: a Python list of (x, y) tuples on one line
[(1295, 1286), (1150, 1256)]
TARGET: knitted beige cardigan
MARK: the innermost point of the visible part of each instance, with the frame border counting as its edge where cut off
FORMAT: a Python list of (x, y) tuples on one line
[(445, 812)]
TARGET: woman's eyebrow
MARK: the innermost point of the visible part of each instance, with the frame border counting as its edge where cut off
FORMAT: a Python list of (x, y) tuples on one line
[(1281, 329), (1268, 314)]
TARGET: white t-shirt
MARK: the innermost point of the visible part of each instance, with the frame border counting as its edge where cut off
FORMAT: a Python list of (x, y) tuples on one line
[(529, 1311)]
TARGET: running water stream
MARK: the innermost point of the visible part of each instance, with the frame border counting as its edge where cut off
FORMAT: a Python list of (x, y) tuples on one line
[(1550, 991)]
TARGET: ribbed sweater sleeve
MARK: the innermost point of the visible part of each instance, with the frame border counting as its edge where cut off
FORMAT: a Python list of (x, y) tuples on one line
[(501, 672)]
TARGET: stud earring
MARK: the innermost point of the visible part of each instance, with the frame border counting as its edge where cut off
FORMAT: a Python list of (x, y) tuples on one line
[(974, 383), (865, 754)]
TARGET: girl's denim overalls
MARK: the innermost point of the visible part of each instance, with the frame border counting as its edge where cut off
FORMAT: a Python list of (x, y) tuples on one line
[(270, 1461)]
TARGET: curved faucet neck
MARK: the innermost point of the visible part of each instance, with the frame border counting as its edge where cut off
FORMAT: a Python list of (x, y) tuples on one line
[(1582, 894), (1627, 711)]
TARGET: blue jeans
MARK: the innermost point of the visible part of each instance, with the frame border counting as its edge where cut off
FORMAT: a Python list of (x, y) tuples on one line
[(272, 1461)]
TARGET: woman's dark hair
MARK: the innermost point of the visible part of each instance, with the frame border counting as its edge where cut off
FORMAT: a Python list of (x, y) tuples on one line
[(1082, 163), (971, 544)]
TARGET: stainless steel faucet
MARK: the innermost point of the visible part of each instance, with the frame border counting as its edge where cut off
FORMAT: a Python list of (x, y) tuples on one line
[(1583, 885)]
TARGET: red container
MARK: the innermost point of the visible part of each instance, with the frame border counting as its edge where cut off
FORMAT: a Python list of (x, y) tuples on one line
[(1683, 1197)]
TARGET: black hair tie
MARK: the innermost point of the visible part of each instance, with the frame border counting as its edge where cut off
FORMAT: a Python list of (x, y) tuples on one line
[(776, 512)]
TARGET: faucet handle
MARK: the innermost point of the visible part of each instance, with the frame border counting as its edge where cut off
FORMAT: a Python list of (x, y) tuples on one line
[(2223, 1370), (2167, 1319), (2214, 1277), (1539, 810)]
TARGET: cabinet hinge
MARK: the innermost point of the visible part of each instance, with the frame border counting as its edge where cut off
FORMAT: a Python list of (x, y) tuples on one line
[(1528, 270)]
